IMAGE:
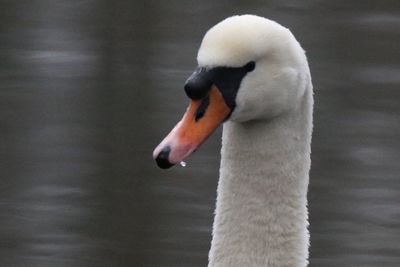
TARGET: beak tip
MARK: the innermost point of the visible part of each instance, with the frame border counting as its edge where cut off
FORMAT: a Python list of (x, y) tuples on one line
[(162, 158), (163, 164)]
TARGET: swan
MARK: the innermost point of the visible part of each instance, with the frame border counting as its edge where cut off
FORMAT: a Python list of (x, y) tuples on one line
[(252, 77)]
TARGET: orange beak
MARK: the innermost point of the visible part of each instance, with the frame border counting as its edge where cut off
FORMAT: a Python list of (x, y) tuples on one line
[(200, 120)]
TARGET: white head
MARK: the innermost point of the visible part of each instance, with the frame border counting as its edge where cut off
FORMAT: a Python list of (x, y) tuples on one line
[(281, 68), (249, 68)]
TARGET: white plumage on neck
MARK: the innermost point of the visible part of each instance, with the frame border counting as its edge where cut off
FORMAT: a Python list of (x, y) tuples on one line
[(261, 214)]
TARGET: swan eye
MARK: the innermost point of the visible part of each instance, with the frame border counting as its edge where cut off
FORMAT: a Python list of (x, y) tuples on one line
[(250, 66)]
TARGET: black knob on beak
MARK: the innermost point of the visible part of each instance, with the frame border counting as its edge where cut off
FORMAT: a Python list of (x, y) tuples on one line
[(198, 84)]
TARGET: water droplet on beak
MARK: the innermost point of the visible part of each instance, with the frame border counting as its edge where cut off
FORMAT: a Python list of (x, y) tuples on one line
[(182, 163)]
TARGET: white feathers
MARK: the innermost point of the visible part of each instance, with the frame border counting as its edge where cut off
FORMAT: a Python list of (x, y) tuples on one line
[(261, 213), (239, 39), (281, 73)]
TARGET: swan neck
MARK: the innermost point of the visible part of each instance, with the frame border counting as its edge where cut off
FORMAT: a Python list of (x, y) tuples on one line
[(261, 214)]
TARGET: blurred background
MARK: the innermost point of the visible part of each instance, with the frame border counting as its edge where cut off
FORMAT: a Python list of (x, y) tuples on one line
[(88, 89)]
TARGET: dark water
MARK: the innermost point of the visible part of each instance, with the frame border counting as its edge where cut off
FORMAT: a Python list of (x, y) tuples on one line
[(88, 88)]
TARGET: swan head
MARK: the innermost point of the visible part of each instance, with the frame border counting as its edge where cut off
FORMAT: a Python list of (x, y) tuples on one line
[(249, 68)]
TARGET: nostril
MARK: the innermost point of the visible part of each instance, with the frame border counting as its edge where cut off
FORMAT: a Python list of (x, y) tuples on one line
[(162, 158)]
